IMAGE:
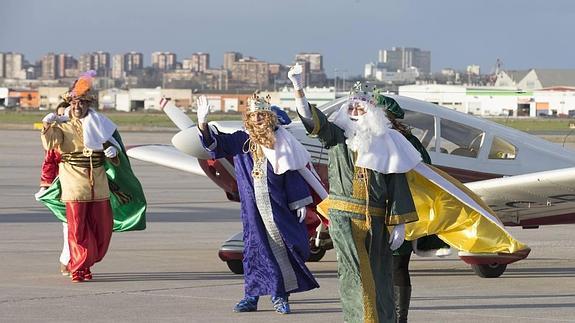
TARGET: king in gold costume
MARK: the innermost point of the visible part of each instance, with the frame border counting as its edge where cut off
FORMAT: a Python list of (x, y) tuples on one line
[(92, 153)]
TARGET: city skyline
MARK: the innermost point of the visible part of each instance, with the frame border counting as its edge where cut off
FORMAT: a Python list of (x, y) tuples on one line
[(348, 33)]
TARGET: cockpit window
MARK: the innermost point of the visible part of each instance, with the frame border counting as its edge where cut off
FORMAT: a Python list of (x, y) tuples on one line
[(460, 139), (422, 126), (502, 149)]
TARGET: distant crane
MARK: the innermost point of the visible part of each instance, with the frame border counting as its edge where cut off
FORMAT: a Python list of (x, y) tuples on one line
[(496, 72)]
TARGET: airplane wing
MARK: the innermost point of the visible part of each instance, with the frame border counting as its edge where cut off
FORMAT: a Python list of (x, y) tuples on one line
[(166, 155), (533, 199)]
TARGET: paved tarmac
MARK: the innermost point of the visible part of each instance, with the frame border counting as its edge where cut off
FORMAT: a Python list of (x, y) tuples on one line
[(171, 273)]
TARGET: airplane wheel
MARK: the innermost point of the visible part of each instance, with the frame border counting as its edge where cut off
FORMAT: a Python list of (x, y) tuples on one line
[(316, 254), (236, 266), (489, 271)]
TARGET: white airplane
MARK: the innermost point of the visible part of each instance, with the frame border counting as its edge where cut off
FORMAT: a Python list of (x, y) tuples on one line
[(526, 180)]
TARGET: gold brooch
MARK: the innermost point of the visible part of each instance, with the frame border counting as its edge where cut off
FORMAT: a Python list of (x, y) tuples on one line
[(87, 152), (256, 173)]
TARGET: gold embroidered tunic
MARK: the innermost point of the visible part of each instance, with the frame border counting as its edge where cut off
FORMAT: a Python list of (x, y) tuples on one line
[(357, 192), (82, 174)]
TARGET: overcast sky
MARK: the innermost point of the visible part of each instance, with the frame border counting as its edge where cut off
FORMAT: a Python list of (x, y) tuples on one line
[(349, 33)]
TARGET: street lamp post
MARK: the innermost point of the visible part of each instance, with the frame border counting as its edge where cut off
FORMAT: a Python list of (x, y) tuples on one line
[(335, 81)]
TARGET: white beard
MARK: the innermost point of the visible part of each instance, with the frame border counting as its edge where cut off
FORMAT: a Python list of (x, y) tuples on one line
[(379, 147), (360, 133)]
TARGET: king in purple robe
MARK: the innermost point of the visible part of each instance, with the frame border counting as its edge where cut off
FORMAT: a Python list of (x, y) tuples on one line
[(268, 163)]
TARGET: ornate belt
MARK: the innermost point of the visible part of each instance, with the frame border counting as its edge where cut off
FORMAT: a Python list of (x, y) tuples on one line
[(79, 159)]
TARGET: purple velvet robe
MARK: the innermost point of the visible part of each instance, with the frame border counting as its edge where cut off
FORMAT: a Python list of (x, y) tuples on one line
[(264, 272)]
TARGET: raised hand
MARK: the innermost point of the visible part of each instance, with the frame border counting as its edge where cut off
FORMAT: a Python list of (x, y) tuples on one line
[(295, 76), (203, 109)]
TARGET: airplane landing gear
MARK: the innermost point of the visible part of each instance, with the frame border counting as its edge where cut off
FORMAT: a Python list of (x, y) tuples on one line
[(492, 265), (319, 244), (315, 254), (489, 271), (236, 266)]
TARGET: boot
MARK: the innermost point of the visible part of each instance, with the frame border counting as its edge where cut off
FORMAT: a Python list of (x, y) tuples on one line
[(402, 296), (247, 304), (77, 276), (281, 304), (88, 274)]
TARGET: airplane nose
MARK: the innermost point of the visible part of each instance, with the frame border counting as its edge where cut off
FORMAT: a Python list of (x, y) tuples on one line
[(188, 141)]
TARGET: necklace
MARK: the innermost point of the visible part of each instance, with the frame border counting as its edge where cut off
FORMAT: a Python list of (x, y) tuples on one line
[(258, 158)]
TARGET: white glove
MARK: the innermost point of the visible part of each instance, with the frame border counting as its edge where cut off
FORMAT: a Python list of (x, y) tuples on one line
[(50, 118), (40, 192), (63, 118), (111, 152), (397, 236), (294, 74), (301, 213), (203, 109)]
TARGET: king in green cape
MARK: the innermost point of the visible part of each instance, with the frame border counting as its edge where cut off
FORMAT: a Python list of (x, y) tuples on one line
[(126, 195)]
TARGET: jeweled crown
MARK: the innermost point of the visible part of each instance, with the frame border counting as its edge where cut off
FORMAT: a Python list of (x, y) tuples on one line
[(259, 103), (364, 92)]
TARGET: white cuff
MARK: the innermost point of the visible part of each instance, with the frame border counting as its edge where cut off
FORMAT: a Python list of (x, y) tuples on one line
[(301, 203), (214, 144), (302, 107)]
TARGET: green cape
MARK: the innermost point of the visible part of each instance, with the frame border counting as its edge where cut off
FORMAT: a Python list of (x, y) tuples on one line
[(126, 195)]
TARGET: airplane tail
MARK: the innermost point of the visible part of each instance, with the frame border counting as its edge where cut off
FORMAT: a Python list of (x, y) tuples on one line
[(178, 117), (186, 140)]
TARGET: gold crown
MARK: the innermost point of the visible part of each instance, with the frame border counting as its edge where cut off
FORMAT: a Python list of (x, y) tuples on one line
[(364, 92), (258, 103)]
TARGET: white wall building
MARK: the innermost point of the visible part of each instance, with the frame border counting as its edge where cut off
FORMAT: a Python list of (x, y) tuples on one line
[(558, 101), (182, 97), (403, 76), (383, 74), (3, 97), (50, 97), (483, 101), (130, 100), (108, 99), (319, 96), (492, 101), (451, 96)]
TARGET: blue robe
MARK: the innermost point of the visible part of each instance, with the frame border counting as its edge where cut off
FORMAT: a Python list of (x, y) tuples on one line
[(275, 249)]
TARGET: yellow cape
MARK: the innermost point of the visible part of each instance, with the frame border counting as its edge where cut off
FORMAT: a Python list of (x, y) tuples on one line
[(449, 209)]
